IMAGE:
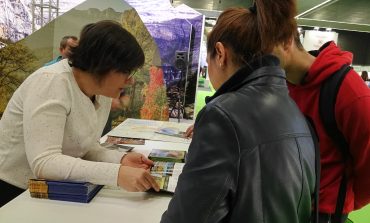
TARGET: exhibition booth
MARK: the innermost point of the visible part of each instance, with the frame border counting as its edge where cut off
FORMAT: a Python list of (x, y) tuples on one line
[(170, 36), (171, 86)]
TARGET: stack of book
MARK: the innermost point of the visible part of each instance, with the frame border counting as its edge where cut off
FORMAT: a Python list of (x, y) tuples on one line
[(81, 192)]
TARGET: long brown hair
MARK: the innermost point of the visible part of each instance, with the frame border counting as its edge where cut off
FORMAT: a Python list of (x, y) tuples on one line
[(250, 33)]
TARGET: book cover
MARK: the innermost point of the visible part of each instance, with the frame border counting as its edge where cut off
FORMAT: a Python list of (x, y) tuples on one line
[(167, 155), (69, 187), (168, 165), (125, 140), (82, 198), (63, 190), (120, 147), (171, 132), (166, 174), (37, 186)]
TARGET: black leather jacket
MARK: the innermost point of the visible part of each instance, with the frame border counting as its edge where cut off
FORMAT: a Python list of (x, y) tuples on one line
[(252, 157)]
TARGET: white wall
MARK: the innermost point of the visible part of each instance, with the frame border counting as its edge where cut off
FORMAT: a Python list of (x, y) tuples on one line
[(314, 39)]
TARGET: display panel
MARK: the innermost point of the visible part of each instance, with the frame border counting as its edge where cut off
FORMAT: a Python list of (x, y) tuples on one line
[(162, 89)]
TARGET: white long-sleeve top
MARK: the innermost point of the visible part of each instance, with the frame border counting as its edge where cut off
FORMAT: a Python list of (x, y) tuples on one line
[(50, 129)]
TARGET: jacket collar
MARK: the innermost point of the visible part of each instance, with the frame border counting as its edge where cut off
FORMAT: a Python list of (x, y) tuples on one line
[(248, 73), (316, 53)]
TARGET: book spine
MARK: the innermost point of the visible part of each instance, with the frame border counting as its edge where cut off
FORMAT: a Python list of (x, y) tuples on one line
[(38, 186), (39, 195)]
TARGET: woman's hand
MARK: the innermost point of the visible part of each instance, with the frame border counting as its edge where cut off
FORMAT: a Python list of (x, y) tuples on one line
[(137, 160), (136, 179), (189, 132)]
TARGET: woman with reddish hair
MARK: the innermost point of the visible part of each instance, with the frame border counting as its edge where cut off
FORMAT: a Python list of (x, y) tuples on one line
[(252, 156)]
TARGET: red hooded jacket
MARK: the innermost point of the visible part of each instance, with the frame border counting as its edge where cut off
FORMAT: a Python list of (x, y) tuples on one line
[(352, 112)]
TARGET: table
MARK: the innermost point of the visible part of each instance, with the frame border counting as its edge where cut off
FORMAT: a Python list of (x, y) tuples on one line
[(110, 205)]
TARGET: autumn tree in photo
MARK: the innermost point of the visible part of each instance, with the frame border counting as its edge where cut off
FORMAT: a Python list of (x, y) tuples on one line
[(155, 105), (16, 62), (133, 23)]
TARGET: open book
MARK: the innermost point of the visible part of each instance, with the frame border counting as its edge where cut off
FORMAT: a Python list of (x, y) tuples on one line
[(168, 165), (152, 130)]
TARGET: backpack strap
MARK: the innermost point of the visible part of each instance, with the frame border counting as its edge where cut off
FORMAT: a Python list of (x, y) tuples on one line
[(328, 96), (315, 211)]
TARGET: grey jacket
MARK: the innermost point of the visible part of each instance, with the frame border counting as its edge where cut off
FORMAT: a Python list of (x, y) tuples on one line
[(252, 156)]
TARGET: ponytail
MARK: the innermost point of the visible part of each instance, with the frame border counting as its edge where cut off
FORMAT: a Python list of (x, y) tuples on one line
[(276, 22), (255, 31)]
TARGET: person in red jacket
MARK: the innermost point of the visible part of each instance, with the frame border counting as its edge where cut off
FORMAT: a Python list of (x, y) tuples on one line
[(306, 72), (305, 75)]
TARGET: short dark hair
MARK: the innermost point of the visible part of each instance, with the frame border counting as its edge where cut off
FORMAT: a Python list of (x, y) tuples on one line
[(106, 46), (63, 42)]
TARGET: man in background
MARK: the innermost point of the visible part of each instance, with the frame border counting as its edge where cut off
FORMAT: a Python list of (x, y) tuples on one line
[(65, 48)]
